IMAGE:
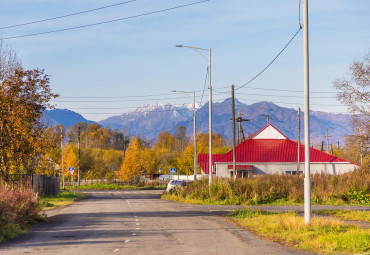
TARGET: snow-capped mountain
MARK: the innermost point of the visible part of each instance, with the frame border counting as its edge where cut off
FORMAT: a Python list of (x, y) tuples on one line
[(149, 120)]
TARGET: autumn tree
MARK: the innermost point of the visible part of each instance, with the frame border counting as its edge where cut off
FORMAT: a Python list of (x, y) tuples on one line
[(354, 92), (134, 163), (24, 95)]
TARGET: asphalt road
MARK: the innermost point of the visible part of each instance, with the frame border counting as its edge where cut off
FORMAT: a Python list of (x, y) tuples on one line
[(138, 222)]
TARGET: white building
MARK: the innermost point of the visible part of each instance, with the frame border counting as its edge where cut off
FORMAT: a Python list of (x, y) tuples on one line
[(269, 151)]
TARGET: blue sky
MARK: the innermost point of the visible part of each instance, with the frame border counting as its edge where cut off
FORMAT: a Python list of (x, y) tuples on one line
[(135, 58)]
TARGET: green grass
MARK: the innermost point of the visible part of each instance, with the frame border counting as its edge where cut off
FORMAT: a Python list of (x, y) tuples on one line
[(62, 199), (322, 235), (101, 186), (347, 214)]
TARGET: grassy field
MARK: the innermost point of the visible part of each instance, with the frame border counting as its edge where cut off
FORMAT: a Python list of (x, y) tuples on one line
[(346, 189), (101, 186), (62, 199), (347, 215), (323, 235)]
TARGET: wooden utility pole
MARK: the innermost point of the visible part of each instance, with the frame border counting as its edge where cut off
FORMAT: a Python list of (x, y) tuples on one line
[(61, 146), (327, 141), (239, 119), (299, 140), (233, 120), (268, 118), (239, 134)]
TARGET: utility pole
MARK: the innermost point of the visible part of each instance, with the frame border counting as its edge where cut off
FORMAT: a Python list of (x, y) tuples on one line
[(299, 140), (210, 121), (239, 119), (61, 146), (268, 118), (79, 134), (307, 180), (327, 141), (195, 143), (233, 119), (239, 134)]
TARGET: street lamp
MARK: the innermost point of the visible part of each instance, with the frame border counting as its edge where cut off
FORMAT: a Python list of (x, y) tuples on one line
[(210, 103), (195, 133)]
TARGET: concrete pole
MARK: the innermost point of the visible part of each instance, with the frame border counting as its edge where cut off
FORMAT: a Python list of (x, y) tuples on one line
[(233, 120), (195, 143), (307, 180), (210, 120), (79, 135), (299, 140)]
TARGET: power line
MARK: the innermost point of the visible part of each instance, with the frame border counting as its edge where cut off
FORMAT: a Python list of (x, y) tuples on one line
[(272, 61), (108, 21), (140, 96), (204, 86), (123, 100), (67, 15), (289, 96), (281, 90), (275, 102)]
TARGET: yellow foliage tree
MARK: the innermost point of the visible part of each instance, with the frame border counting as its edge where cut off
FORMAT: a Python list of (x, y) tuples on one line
[(133, 164)]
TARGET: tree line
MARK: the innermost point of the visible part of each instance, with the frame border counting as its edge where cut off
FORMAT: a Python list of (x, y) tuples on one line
[(28, 145)]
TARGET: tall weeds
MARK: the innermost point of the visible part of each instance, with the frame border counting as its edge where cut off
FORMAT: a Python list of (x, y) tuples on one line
[(351, 187), (19, 208)]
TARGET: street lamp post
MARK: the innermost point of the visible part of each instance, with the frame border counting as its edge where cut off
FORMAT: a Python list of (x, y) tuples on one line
[(195, 134), (210, 105)]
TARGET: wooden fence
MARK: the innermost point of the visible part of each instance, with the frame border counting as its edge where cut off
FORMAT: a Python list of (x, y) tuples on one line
[(46, 185), (39, 183)]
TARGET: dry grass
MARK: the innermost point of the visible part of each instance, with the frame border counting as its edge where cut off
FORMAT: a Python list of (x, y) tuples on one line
[(349, 188), (322, 235)]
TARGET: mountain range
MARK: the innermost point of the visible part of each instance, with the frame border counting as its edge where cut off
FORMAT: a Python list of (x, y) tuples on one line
[(150, 120)]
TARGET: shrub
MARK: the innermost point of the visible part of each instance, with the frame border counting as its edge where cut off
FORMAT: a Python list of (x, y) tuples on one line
[(19, 208)]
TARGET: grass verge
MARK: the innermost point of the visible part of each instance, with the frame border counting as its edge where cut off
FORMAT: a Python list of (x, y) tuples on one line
[(62, 199), (322, 235), (101, 186), (346, 214)]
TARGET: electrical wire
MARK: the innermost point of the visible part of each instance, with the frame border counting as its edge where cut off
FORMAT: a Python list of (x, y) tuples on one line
[(67, 15), (289, 96), (281, 90), (113, 101), (140, 96), (204, 86), (269, 64), (108, 21)]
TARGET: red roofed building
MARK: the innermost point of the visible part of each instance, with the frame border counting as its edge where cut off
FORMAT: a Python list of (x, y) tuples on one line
[(269, 151)]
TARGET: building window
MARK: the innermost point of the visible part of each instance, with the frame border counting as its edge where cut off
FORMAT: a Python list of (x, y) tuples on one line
[(289, 172)]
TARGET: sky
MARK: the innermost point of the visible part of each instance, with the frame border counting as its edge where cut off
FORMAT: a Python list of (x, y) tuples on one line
[(107, 69)]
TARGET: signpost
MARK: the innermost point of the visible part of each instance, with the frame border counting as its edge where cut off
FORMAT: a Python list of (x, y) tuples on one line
[(71, 171), (172, 171), (159, 171)]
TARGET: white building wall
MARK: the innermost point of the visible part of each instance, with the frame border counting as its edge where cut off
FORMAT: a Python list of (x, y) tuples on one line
[(271, 168), (269, 133)]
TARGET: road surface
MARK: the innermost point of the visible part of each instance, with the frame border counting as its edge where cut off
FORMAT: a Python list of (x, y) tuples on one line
[(137, 222)]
